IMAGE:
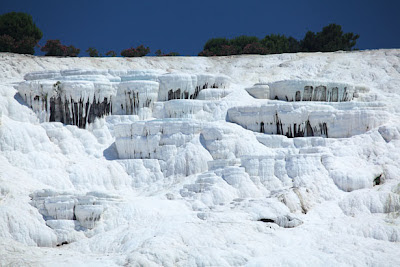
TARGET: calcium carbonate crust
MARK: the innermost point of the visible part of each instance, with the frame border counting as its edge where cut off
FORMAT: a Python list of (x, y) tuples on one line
[(248, 160)]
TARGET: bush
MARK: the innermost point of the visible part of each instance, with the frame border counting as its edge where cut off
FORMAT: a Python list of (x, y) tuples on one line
[(18, 33), (72, 51), (92, 52), (111, 53), (171, 54), (55, 48), (206, 53), (255, 48), (228, 50), (139, 51), (159, 53)]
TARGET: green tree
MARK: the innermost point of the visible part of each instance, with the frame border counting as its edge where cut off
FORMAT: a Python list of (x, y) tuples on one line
[(23, 31), (330, 39), (294, 45), (93, 52), (226, 47), (7, 43), (215, 43), (309, 43), (242, 41), (214, 46), (158, 52), (111, 53), (276, 43)]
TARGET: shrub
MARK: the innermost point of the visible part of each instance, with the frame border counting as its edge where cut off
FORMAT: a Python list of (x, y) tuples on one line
[(228, 50), (159, 53), (72, 51), (18, 33), (171, 54), (139, 51), (111, 53), (255, 48), (206, 53), (92, 52), (219, 47), (55, 48)]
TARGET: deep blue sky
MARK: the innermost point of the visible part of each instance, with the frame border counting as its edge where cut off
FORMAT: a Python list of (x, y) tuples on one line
[(184, 26)]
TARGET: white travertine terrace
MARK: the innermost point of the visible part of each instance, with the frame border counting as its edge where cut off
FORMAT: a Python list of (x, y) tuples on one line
[(77, 96), (300, 119), (171, 161)]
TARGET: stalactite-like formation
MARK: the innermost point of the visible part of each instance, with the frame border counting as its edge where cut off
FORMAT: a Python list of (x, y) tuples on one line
[(302, 120), (299, 90), (79, 113)]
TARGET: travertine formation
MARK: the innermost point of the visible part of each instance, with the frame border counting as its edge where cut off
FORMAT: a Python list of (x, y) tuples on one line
[(145, 167), (303, 90), (300, 119), (77, 97)]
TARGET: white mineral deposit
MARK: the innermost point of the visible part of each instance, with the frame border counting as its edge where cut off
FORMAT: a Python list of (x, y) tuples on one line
[(275, 160)]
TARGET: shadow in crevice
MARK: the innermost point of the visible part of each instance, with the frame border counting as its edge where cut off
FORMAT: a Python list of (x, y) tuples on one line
[(111, 152), (20, 100), (203, 141)]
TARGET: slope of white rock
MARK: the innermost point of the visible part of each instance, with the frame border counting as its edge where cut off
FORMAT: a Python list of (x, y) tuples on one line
[(175, 143), (191, 161)]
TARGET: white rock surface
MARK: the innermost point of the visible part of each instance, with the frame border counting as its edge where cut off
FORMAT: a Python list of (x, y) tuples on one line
[(260, 90), (176, 183), (174, 142)]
